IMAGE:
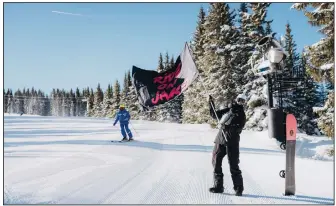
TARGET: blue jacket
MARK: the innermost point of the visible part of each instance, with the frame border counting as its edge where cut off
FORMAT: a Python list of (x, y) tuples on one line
[(123, 117)]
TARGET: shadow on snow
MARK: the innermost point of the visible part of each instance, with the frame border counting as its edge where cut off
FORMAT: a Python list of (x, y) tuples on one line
[(141, 144)]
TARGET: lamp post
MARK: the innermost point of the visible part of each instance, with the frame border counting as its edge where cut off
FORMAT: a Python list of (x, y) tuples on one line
[(269, 59)]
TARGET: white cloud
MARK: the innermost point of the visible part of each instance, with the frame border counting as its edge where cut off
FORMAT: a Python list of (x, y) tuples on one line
[(67, 13)]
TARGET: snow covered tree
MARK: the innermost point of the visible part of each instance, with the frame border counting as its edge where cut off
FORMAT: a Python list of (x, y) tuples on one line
[(53, 104), (98, 102), (268, 29), (308, 122), (294, 104), (245, 47), (108, 101), (219, 57), (198, 38), (258, 19), (291, 61), (90, 104), (254, 85), (6, 100), (320, 56), (131, 99), (80, 103), (65, 104), (243, 16), (160, 65), (166, 63), (191, 108), (116, 98), (125, 85), (72, 103), (172, 62)]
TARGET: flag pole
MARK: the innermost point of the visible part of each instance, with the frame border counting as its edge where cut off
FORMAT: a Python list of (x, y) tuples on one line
[(202, 83)]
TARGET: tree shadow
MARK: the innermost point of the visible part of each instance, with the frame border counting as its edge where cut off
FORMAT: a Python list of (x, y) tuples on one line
[(48, 132), (299, 198), (141, 144)]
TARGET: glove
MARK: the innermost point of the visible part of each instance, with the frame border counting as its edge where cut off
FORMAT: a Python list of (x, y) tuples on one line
[(209, 98)]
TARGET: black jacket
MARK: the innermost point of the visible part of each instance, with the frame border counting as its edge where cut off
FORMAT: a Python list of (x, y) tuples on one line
[(234, 129)]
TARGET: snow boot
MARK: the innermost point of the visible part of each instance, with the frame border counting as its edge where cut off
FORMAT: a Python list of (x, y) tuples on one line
[(130, 139), (216, 189), (218, 184), (124, 139), (239, 191)]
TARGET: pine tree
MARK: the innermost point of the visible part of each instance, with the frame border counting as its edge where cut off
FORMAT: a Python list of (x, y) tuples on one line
[(311, 100), (198, 39), (72, 103), (268, 29), (90, 104), (125, 85), (108, 102), (98, 102), (295, 103), (10, 104), (172, 62), (258, 20), (116, 98), (160, 66), (80, 105), (190, 107), (6, 100), (129, 79), (320, 57), (254, 85), (65, 103), (292, 59), (220, 56), (166, 64), (131, 99), (243, 16)]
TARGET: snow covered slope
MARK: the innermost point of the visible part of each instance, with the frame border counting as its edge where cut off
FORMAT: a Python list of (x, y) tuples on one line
[(72, 161)]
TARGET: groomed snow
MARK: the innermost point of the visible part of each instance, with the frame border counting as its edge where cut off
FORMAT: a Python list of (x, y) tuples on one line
[(59, 160)]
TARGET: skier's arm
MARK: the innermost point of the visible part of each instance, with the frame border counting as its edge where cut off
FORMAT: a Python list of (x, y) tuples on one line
[(116, 120), (218, 112), (242, 122)]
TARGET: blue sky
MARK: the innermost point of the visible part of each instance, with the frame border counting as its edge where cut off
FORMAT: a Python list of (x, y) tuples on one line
[(45, 49)]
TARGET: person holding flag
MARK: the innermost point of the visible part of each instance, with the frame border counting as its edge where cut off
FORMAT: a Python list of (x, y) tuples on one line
[(231, 124)]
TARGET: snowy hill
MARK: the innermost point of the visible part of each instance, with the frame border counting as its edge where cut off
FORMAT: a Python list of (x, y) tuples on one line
[(72, 161)]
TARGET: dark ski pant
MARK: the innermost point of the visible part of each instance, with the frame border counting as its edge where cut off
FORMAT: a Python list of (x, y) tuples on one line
[(124, 129), (232, 151)]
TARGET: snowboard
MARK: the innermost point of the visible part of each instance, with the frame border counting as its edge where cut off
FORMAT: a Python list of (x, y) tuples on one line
[(291, 128)]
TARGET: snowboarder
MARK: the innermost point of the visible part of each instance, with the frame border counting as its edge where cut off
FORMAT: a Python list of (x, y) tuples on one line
[(232, 121), (124, 117)]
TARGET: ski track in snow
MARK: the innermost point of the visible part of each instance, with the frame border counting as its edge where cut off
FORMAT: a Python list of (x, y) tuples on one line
[(60, 163)]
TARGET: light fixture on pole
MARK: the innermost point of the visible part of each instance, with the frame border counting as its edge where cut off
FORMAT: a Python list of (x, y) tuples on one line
[(275, 55)]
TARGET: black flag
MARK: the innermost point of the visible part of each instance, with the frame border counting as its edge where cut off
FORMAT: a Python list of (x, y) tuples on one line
[(154, 88)]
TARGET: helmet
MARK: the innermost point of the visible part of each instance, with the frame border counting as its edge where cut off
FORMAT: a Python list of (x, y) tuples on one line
[(241, 97), (122, 106)]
